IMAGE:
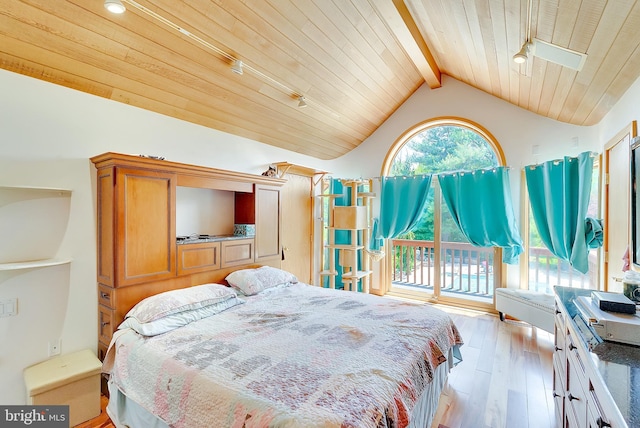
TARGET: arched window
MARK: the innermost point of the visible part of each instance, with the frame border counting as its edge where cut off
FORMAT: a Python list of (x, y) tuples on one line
[(435, 259)]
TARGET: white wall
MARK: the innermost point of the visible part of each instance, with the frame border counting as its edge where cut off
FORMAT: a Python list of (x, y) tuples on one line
[(48, 133), (517, 130), (626, 110)]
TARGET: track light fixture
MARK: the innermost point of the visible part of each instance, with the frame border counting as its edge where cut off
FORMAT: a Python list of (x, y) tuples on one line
[(523, 53), (114, 6), (236, 66)]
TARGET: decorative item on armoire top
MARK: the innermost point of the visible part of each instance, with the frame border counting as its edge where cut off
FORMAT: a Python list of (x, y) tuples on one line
[(271, 172), (244, 229)]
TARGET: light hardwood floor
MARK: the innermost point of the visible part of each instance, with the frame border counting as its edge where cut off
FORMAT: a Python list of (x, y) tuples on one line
[(504, 381)]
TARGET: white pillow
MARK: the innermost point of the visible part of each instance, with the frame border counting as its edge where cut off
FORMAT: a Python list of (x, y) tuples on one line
[(253, 281), (183, 299), (178, 319)]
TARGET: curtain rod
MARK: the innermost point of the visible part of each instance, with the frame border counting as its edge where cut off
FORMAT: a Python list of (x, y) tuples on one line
[(557, 161)]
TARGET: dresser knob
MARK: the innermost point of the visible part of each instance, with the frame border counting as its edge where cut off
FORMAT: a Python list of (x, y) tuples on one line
[(104, 323)]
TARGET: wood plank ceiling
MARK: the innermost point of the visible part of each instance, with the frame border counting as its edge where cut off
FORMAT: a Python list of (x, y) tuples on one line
[(354, 61)]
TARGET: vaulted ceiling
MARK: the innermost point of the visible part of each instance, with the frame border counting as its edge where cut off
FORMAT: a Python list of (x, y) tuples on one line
[(354, 61)]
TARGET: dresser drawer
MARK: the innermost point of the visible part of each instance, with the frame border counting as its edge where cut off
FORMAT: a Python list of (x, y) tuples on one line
[(576, 397), (106, 296), (106, 318)]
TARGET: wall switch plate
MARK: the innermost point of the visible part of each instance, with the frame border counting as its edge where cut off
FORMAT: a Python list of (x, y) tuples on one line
[(9, 307), (54, 347)]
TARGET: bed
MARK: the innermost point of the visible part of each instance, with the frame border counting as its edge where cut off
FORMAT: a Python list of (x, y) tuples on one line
[(272, 352)]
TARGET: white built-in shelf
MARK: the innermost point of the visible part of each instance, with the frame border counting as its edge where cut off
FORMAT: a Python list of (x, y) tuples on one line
[(33, 227), (53, 190), (12, 194), (33, 264)]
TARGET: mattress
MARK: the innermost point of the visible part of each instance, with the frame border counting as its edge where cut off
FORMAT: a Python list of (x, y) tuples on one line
[(296, 356)]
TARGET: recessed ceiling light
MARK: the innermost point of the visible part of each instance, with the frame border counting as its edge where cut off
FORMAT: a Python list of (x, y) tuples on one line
[(114, 6)]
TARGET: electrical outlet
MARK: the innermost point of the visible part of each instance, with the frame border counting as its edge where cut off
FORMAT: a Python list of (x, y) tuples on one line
[(54, 347)]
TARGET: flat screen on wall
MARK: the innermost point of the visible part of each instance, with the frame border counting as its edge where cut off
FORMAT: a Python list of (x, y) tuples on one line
[(635, 202)]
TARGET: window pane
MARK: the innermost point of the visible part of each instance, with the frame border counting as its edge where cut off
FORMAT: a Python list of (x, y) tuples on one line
[(465, 271)]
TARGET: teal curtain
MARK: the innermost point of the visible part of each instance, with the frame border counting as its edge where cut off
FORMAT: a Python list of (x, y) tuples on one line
[(401, 202), (480, 204), (559, 194)]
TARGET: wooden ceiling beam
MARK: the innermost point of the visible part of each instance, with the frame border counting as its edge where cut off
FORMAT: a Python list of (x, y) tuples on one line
[(405, 29)]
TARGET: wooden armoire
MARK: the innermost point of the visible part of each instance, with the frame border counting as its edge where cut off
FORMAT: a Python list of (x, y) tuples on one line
[(138, 252)]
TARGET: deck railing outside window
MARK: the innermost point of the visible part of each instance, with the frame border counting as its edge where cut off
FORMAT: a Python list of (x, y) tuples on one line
[(469, 270)]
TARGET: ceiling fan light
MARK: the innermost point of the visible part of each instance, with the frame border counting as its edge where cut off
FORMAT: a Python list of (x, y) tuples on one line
[(114, 6), (236, 66)]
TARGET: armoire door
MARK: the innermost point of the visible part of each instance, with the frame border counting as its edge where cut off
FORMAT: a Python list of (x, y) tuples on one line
[(145, 226), (268, 238), (297, 233)]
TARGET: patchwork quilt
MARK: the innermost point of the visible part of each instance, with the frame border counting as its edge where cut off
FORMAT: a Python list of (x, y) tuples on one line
[(298, 356)]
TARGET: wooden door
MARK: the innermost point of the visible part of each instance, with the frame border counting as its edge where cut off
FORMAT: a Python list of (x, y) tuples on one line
[(617, 196), (145, 226), (297, 235)]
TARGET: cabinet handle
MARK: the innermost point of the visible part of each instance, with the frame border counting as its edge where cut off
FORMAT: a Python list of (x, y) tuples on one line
[(602, 423), (571, 397), (557, 311), (572, 347), (558, 349), (556, 395), (104, 323), (104, 295)]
